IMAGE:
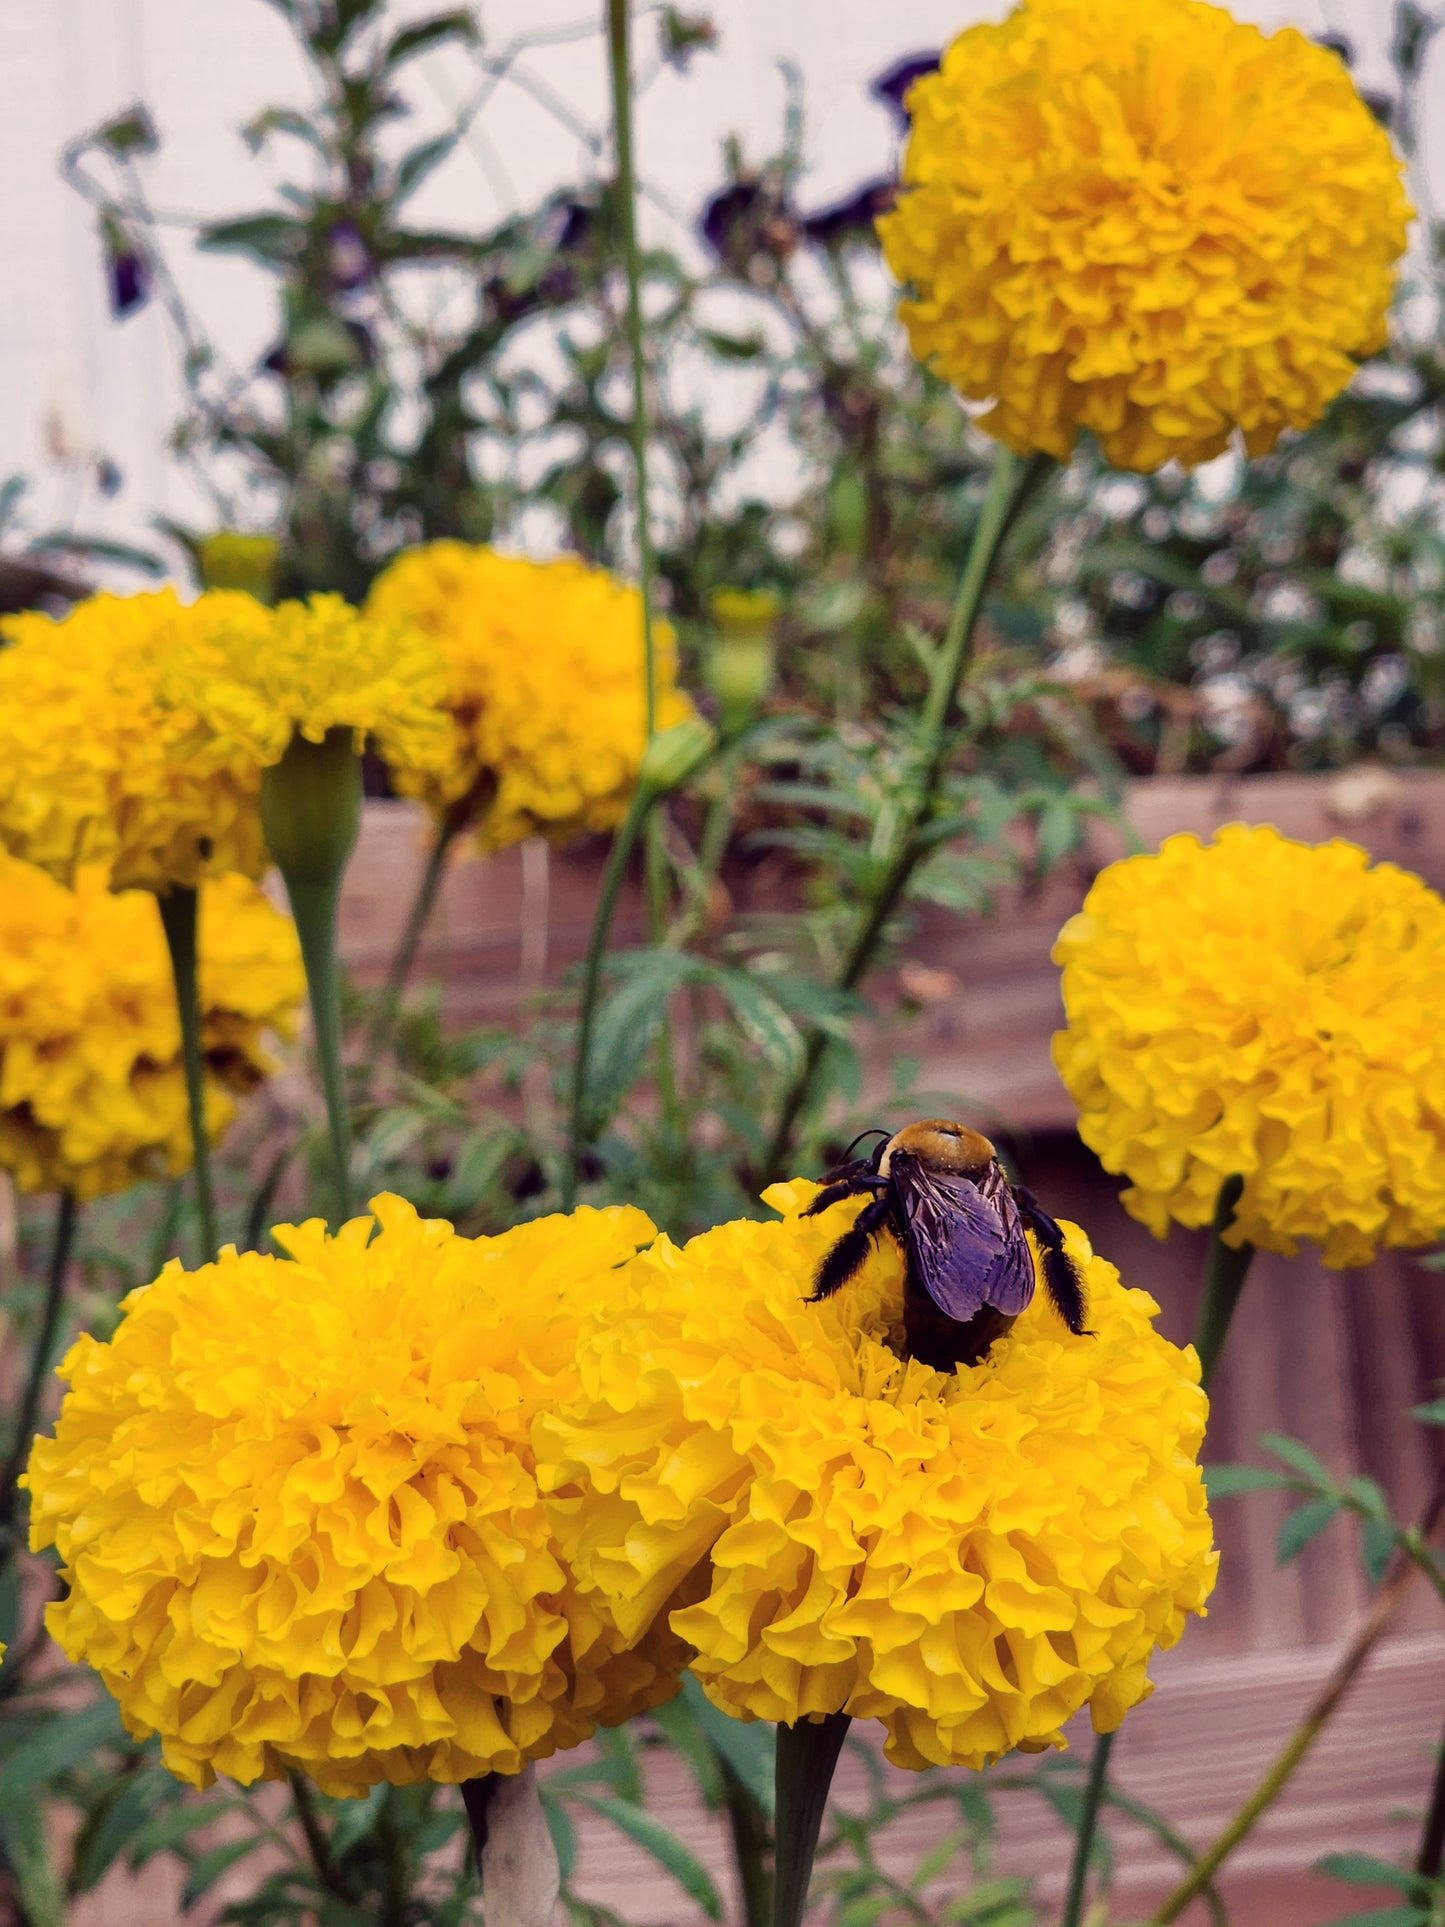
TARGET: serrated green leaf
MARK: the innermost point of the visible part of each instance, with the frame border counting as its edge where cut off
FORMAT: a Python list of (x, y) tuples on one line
[(670, 1853), (422, 34), (1431, 1414), (939, 1857), (564, 1834), (1366, 1497), (627, 1021), (1385, 1917), (748, 1747), (1306, 1522), (761, 1018), (1228, 1481), (1378, 1539), (270, 238), (109, 1829), (63, 1742), (414, 166), (26, 1841), (1298, 1456), (1366, 1870)]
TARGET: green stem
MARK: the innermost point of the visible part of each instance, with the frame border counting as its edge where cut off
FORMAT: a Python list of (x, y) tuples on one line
[(66, 1217), (180, 916), (618, 21), (618, 857), (1386, 1604), (317, 1844), (311, 813), (417, 920), (314, 907), (1010, 486), (1094, 1791), (752, 1849), (1225, 1270), (807, 1754)]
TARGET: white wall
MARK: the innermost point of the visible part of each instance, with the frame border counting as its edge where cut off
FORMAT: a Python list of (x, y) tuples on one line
[(74, 383)]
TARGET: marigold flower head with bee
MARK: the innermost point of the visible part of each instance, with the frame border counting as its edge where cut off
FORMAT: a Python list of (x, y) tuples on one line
[(1260, 1008), (297, 1511), (545, 689), (969, 1557), (96, 768), (1146, 219), (92, 1091)]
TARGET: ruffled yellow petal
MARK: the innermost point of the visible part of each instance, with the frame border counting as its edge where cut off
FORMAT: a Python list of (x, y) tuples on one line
[(1265, 1009), (298, 1515), (545, 689), (1146, 219), (250, 678), (94, 768), (968, 1558)]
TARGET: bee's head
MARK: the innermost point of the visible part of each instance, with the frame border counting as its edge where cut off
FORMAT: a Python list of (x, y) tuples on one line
[(944, 1145)]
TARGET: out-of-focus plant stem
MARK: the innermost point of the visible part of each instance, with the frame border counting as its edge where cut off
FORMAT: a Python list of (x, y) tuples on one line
[(67, 1214), (1010, 487), (807, 1754), (1225, 1270), (180, 917), (655, 860), (418, 917)]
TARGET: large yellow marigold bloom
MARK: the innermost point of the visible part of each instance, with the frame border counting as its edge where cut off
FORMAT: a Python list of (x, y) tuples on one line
[(297, 1511), (1143, 218), (969, 1558), (95, 769), (92, 1087), (545, 689), (1260, 1008), (253, 677)]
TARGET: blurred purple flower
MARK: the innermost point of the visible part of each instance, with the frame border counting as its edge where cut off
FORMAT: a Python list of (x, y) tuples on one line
[(748, 222), (892, 85), (852, 218), (348, 260)]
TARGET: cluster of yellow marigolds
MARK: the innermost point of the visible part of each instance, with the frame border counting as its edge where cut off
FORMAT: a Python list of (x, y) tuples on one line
[(409, 1505)]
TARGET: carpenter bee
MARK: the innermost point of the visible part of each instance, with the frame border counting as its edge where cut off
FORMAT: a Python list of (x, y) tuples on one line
[(941, 1192)]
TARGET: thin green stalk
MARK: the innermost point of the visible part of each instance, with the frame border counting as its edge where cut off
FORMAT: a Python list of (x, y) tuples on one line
[(1010, 487), (1094, 1792), (620, 66), (417, 920), (619, 56), (807, 1754), (311, 814), (317, 1844), (66, 1217), (752, 1849), (1407, 1567), (179, 910), (314, 907), (612, 878), (1225, 1270)]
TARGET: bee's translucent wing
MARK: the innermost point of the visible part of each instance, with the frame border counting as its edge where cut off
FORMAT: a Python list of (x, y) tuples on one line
[(966, 1242)]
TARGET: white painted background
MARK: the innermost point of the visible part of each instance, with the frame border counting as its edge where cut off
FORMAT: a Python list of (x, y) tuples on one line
[(74, 383)]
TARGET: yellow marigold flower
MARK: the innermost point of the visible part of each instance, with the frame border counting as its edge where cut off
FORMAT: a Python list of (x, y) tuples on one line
[(254, 677), (92, 1088), (1260, 1008), (1146, 219), (544, 688), (298, 1516), (969, 1558), (94, 768)]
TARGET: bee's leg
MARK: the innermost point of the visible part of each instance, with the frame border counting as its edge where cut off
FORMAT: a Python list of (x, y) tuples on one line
[(851, 1186), (847, 1257), (1061, 1274)]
